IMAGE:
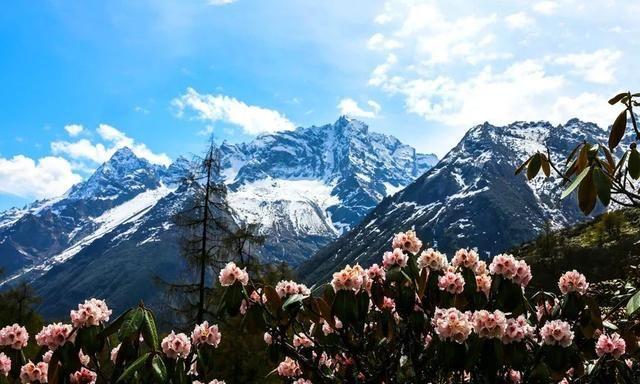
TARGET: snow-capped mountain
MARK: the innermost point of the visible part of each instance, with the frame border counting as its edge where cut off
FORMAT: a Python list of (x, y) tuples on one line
[(112, 234), (470, 199), (305, 187)]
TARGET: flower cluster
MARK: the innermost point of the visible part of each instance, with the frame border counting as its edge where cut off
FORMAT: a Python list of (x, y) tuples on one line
[(289, 368), (517, 330), (557, 332), (211, 382), (55, 335), (395, 257), (467, 258), (451, 282), (349, 279), (612, 345), (206, 334), (31, 372), (489, 325), (286, 288), (83, 376), (508, 267), (452, 324), (432, 259), (91, 313), (302, 341), (176, 345), (573, 281), (483, 284), (232, 273), (407, 241), (14, 336), (5, 364)]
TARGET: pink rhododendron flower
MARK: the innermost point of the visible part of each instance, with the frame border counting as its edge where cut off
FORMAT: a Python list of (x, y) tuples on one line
[(286, 288), (5, 364), (427, 340), (508, 267), (348, 279), (544, 308), (302, 381), (47, 356), (214, 381), (388, 303), (451, 324), (481, 268), (206, 334), (114, 353), (557, 332), (91, 313), (268, 339), (514, 377), (84, 359), (31, 372), (517, 330), (55, 335), (434, 260), (327, 329), (232, 273), (289, 368), (407, 241), (467, 258), (523, 273), (451, 282), (301, 340), (14, 336), (612, 345), (396, 257), (176, 345), (489, 325), (83, 376), (483, 284), (573, 281)]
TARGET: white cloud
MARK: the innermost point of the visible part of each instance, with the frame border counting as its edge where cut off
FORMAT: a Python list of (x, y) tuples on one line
[(545, 7), (252, 119), (73, 129), (99, 152), (380, 42), (350, 107), (519, 20), (221, 2), (47, 177), (206, 131), (596, 67), (588, 106)]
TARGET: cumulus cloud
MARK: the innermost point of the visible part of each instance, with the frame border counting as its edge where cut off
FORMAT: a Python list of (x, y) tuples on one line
[(252, 119), (596, 67), (519, 20), (73, 129), (47, 177), (99, 152), (380, 42), (350, 107)]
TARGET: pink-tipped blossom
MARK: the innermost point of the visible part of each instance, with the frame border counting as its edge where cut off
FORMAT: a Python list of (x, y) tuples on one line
[(206, 334), (467, 258), (432, 259), (557, 332), (573, 281), (287, 288), (55, 335), (268, 339), (289, 368), (47, 356), (513, 377), (83, 376), (451, 282), (509, 268), (613, 345), (481, 268), (83, 358), (5, 364), (327, 329), (14, 336), (90, 313), (393, 258), (176, 345), (302, 381), (489, 325), (114, 353), (232, 273), (348, 279), (451, 324), (407, 241), (517, 330), (483, 284), (31, 372), (302, 341)]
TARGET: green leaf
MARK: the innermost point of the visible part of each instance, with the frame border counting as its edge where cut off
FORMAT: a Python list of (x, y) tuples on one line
[(344, 306), (575, 183), (134, 367), (617, 130), (587, 194), (159, 368), (150, 331), (603, 185), (633, 304), (521, 167), (131, 324), (534, 166), (617, 97), (634, 164), (114, 326), (293, 300)]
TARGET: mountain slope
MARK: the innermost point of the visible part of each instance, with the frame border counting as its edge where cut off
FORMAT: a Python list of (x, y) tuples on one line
[(471, 198)]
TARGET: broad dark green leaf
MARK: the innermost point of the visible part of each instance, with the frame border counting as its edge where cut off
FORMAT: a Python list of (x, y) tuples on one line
[(574, 184), (150, 331), (159, 368), (521, 167), (634, 164), (534, 166), (546, 165), (617, 130), (134, 367), (115, 325), (344, 306), (587, 194), (603, 185), (292, 301), (617, 97), (131, 324), (633, 304)]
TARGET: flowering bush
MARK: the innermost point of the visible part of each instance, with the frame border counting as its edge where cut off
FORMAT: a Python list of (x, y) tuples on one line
[(417, 319)]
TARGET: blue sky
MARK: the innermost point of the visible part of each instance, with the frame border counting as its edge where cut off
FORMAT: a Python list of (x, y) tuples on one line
[(80, 79)]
